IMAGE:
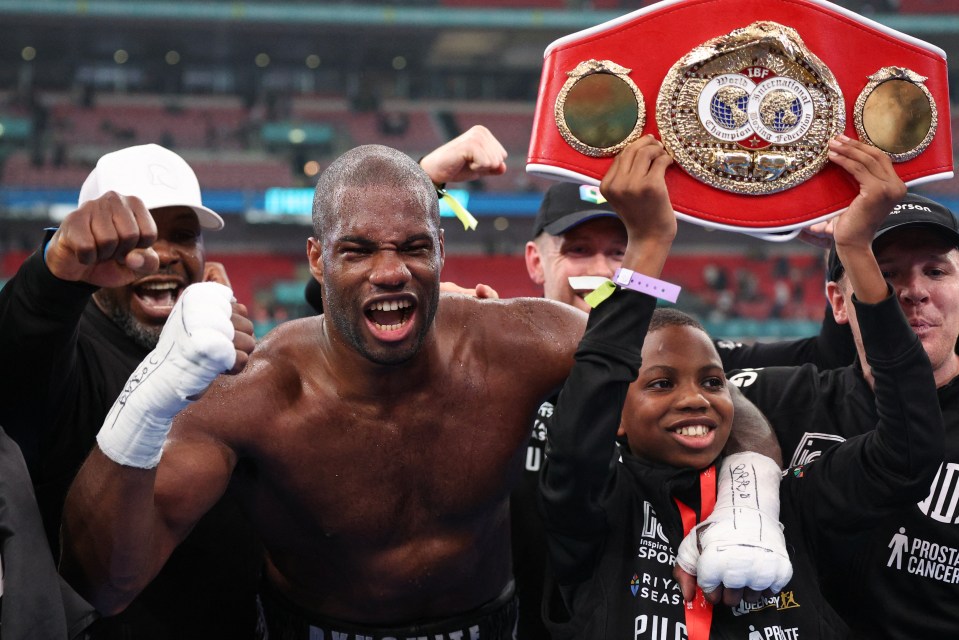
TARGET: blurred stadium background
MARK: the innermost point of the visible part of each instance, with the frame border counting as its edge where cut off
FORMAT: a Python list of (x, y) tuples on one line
[(260, 96)]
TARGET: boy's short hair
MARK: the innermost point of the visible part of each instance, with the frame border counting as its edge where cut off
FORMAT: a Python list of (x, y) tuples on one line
[(669, 317)]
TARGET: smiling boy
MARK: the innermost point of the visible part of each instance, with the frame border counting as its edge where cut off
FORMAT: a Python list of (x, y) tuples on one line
[(615, 517)]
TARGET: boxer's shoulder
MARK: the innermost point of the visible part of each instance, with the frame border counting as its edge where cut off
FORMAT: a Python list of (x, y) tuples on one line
[(275, 367), (538, 314)]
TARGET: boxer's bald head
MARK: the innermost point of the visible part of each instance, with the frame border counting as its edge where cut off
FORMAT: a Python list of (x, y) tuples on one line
[(378, 252), (370, 166)]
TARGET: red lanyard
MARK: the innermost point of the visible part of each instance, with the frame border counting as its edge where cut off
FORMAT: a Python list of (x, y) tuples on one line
[(699, 613)]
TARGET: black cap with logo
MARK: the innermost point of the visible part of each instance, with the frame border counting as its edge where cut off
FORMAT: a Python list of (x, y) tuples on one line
[(914, 210), (566, 205)]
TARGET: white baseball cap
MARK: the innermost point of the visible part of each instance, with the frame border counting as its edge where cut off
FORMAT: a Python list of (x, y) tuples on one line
[(156, 175)]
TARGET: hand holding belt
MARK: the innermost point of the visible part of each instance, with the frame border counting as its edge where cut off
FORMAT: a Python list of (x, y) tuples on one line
[(745, 94)]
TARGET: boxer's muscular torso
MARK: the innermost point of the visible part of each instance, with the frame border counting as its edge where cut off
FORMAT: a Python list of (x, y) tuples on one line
[(381, 492)]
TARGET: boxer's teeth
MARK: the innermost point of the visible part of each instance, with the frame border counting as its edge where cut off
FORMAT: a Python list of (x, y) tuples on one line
[(399, 314), (390, 305)]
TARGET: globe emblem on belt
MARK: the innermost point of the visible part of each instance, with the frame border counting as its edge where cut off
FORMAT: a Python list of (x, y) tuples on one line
[(723, 107), (750, 112), (734, 108), (728, 107), (781, 110)]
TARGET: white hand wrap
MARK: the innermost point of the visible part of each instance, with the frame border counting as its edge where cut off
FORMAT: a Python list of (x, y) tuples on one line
[(196, 345), (741, 544)]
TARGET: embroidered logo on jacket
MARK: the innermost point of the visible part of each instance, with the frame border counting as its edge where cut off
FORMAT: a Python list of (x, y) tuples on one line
[(774, 632), (659, 589), (537, 439), (942, 504), (744, 377)]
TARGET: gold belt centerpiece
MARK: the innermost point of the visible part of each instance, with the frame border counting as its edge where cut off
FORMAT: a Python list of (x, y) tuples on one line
[(745, 95), (750, 112)]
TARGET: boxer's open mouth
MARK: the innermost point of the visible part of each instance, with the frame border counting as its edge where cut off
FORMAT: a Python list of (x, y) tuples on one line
[(390, 315)]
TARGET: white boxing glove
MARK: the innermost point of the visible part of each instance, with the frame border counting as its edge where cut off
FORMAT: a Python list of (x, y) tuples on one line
[(196, 346), (741, 544)]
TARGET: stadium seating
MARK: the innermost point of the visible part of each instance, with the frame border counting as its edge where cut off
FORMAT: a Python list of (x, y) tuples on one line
[(511, 124), (119, 119), (405, 126)]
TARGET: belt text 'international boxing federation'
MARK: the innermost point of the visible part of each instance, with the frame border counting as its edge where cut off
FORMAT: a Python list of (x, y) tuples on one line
[(745, 95)]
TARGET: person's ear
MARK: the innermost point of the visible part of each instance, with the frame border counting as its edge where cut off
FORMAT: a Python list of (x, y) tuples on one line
[(314, 253), (837, 300), (534, 263)]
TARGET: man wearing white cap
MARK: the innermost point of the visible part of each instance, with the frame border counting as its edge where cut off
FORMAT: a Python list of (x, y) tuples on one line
[(81, 314), (75, 321), (166, 185)]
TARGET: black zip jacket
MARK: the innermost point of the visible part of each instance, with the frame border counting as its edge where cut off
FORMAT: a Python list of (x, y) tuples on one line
[(895, 573), (613, 527), (36, 602), (833, 347), (64, 364)]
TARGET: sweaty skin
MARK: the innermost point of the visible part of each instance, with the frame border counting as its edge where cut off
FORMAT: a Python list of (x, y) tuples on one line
[(374, 454), (375, 495), (373, 447)]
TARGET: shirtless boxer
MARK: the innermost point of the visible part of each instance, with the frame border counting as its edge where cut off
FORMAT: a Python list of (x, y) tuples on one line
[(373, 447)]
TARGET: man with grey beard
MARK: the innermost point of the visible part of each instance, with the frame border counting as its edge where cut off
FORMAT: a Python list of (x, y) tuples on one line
[(75, 321), (80, 315)]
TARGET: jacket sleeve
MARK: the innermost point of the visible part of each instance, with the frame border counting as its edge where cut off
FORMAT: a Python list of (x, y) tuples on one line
[(581, 436), (37, 601), (39, 319), (831, 349), (862, 479)]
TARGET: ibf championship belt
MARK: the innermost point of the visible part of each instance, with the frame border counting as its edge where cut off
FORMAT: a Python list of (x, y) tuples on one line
[(745, 95)]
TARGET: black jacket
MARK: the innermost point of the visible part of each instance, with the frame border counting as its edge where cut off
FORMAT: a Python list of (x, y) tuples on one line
[(833, 347), (895, 572), (65, 364), (36, 603), (613, 527)]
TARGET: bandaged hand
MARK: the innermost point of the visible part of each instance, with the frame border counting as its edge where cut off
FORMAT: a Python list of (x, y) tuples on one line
[(196, 345), (740, 546)]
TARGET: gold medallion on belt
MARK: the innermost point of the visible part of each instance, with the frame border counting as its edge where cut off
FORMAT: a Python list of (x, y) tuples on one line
[(896, 112), (750, 112), (600, 109)]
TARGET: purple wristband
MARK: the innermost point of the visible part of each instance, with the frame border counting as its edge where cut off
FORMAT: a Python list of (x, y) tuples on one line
[(629, 279)]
